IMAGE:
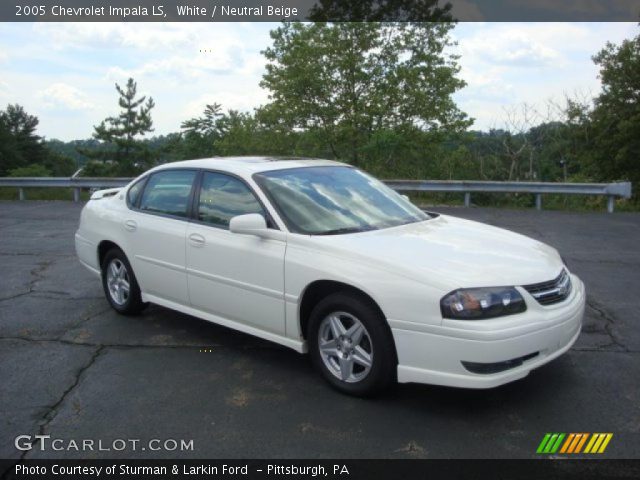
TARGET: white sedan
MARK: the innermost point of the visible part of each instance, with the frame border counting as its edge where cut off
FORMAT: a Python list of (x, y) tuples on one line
[(322, 258)]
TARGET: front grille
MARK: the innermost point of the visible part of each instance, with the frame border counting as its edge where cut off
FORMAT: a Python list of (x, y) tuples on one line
[(553, 291)]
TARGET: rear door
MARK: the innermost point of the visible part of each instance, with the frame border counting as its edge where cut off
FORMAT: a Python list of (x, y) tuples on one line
[(156, 226), (237, 277)]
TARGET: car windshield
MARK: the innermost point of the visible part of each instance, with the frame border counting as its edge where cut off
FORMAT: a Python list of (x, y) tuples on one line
[(335, 200)]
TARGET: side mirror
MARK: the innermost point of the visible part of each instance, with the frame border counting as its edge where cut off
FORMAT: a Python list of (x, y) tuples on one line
[(406, 197), (249, 224)]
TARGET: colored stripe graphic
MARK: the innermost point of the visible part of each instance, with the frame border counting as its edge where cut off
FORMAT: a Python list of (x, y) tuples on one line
[(598, 443), (605, 443), (593, 439), (581, 443), (567, 443), (577, 443), (550, 443), (543, 443), (556, 445), (555, 442)]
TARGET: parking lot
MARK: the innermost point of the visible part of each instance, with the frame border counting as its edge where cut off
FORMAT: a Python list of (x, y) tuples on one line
[(72, 368)]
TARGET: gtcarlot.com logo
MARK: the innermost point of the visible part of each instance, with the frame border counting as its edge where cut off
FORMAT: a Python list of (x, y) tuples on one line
[(574, 443), (47, 443)]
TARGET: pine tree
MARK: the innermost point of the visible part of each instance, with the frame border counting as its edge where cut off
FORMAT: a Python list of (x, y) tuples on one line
[(121, 133)]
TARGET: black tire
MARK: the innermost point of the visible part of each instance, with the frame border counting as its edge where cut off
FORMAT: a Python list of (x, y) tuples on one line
[(384, 362), (132, 303)]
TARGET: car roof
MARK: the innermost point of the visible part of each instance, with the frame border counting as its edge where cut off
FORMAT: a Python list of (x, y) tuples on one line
[(250, 165)]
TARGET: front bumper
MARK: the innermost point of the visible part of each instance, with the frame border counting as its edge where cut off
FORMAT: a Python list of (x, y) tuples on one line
[(434, 355)]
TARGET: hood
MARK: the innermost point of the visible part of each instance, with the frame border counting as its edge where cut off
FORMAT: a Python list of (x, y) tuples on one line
[(454, 252)]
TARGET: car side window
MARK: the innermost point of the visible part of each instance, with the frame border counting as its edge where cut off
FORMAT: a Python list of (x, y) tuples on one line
[(168, 192), (223, 197), (134, 192)]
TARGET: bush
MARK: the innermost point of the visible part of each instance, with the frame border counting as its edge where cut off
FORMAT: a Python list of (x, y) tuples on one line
[(33, 170), (95, 168)]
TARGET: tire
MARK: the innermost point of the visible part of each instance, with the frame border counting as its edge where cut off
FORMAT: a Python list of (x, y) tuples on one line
[(120, 284), (343, 362)]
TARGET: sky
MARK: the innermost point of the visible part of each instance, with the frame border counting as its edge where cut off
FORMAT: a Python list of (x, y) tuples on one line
[(64, 73)]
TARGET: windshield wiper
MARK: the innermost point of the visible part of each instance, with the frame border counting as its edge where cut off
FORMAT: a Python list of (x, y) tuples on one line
[(339, 231)]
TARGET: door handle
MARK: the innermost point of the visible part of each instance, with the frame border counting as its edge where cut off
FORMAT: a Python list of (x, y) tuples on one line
[(130, 225), (196, 240)]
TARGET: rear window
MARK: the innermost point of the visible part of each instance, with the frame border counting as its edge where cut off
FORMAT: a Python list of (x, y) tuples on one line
[(168, 192)]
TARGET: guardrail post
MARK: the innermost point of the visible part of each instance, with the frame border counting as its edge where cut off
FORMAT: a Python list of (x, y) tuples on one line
[(76, 194), (467, 199), (611, 203), (21, 195), (538, 201)]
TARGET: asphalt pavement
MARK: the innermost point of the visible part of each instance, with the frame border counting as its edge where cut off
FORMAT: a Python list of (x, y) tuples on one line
[(73, 369)]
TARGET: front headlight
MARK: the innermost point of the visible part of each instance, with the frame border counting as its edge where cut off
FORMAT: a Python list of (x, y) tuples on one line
[(479, 303)]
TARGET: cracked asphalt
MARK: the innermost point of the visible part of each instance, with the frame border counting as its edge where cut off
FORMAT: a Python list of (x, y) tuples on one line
[(72, 368)]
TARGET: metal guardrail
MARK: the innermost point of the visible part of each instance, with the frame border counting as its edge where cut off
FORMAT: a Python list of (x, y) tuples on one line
[(77, 183), (610, 190)]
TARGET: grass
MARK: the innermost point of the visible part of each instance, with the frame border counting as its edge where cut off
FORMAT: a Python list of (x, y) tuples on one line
[(11, 193)]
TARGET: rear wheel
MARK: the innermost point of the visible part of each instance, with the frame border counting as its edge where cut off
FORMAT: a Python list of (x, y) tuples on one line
[(350, 343), (119, 283)]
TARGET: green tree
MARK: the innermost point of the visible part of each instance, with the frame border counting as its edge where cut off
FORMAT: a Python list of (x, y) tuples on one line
[(10, 155), (96, 168), (206, 124), (616, 115), (350, 81), (122, 133), (199, 134), (231, 133), (60, 165), (238, 134), (19, 143)]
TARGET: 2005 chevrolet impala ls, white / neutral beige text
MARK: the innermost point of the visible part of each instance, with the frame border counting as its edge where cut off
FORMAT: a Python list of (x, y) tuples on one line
[(320, 257)]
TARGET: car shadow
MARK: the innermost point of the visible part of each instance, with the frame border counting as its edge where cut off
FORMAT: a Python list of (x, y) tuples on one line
[(531, 390)]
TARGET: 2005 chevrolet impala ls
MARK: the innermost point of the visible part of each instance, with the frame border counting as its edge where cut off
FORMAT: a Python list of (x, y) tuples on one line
[(320, 257)]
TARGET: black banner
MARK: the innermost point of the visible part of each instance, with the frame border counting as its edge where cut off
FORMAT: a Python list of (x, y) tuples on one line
[(318, 10), (331, 469)]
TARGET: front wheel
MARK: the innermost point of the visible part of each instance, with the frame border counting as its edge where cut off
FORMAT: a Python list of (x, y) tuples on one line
[(350, 343), (120, 284)]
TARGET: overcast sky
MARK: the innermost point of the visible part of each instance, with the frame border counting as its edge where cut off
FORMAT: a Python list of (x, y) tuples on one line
[(65, 72)]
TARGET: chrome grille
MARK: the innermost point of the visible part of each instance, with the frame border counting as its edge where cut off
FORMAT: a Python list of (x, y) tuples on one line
[(553, 291)]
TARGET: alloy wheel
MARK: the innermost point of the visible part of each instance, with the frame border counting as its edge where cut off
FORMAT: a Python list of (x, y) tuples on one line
[(345, 347), (118, 281)]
